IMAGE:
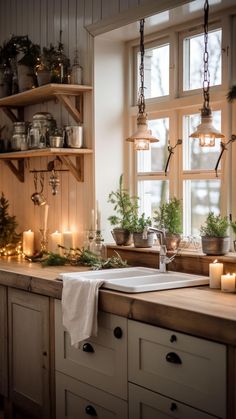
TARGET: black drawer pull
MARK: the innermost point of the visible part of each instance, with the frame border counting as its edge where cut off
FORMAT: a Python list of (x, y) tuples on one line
[(89, 410), (173, 358), (173, 407), (87, 347), (118, 332), (173, 338)]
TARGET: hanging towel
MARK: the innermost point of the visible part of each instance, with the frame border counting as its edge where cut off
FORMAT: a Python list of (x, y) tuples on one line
[(80, 306)]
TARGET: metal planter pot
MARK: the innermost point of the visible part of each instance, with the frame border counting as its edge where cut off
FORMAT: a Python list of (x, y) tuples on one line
[(216, 246), (122, 236), (139, 241), (172, 241)]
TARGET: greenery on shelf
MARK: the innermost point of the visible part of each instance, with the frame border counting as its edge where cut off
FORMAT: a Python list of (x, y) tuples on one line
[(231, 95), (81, 257), (138, 224), (169, 216), (125, 206), (215, 226), (9, 239)]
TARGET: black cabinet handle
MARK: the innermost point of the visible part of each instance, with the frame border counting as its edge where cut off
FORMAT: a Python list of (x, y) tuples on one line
[(89, 410), (173, 407), (87, 347), (173, 358), (173, 338), (118, 332)]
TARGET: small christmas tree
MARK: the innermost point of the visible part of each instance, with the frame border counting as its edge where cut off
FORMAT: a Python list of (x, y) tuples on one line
[(9, 239)]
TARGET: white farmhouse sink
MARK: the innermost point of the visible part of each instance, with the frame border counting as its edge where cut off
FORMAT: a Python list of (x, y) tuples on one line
[(133, 280)]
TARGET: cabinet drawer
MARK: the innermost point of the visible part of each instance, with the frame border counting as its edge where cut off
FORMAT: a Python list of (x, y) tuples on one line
[(106, 366), (78, 400), (182, 367), (144, 404)]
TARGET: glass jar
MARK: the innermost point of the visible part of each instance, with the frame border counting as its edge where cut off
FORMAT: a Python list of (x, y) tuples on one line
[(76, 71), (19, 136)]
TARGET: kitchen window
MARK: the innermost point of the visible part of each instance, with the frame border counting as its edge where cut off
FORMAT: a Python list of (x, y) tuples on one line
[(173, 76)]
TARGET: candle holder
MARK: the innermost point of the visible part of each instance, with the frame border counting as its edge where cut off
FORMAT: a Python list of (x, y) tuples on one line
[(90, 235), (44, 240)]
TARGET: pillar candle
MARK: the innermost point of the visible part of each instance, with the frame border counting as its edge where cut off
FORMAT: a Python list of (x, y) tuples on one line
[(55, 239), (28, 243), (228, 283), (68, 241), (215, 273)]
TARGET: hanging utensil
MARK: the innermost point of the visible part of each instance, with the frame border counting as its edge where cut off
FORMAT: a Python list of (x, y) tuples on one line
[(38, 197), (54, 182)]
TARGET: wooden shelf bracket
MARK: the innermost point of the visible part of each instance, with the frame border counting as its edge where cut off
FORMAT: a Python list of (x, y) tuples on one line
[(77, 169), (73, 111), (18, 171)]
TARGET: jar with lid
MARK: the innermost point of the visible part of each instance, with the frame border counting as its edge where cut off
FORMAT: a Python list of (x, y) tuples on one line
[(42, 126), (76, 71), (19, 136)]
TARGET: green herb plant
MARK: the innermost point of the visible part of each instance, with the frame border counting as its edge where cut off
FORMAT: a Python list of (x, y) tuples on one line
[(138, 224), (215, 226), (169, 216), (8, 236), (125, 206)]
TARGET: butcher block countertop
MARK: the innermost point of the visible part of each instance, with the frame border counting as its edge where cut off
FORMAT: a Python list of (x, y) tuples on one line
[(199, 311)]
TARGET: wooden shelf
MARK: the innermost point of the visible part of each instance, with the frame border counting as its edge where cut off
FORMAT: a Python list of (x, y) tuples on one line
[(43, 94), (45, 152), (63, 154)]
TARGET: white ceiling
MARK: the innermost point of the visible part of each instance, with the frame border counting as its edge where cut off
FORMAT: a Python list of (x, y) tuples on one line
[(160, 21)]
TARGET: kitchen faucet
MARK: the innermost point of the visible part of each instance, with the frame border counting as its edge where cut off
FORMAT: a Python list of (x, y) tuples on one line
[(163, 258)]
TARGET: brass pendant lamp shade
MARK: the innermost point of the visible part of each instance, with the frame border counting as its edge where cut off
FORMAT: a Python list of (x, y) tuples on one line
[(142, 137), (205, 131)]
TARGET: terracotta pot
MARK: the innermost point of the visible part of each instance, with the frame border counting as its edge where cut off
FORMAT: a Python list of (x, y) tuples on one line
[(122, 236), (139, 241), (172, 241), (216, 246)]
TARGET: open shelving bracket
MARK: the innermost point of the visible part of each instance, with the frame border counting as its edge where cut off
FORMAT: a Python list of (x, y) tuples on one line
[(70, 107), (77, 169), (18, 171)]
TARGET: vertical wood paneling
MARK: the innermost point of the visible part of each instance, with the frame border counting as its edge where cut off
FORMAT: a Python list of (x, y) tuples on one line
[(97, 10), (110, 8)]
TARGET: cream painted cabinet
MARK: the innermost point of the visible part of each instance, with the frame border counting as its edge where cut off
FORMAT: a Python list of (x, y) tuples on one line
[(91, 380), (28, 322), (185, 369), (3, 342)]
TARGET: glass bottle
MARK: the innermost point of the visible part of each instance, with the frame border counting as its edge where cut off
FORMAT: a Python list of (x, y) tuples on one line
[(76, 71), (97, 246)]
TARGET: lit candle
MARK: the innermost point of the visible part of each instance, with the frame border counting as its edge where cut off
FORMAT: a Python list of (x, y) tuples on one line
[(68, 241), (228, 283), (215, 273), (92, 226), (28, 243), (55, 239), (45, 217)]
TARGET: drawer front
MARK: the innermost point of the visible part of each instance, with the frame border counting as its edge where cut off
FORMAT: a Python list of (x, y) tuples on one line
[(144, 404), (78, 400), (182, 367), (100, 361)]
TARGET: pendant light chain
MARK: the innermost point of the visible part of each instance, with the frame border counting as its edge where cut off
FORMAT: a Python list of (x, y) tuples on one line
[(206, 81), (141, 99)]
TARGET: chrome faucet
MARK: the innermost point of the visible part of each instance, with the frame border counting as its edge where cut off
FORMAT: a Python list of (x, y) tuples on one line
[(163, 258)]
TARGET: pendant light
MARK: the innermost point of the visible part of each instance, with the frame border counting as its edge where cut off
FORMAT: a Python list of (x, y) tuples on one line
[(205, 131), (143, 135)]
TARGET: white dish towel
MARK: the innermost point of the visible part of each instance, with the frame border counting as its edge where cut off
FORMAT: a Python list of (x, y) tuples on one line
[(80, 306)]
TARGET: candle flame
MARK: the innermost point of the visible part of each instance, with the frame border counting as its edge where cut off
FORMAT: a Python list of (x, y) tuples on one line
[(215, 261)]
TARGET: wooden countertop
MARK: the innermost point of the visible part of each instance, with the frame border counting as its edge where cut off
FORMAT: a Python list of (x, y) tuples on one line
[(200, 311)]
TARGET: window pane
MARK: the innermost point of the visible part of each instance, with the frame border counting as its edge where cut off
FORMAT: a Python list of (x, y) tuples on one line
[(154, 159), (156, 71), (194, 156), (193, 49), (200, 197), (152, 194)]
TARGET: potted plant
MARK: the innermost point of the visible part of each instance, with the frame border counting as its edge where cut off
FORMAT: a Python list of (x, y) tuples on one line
[(137, 227), (124, 206), (169, 218), (45, 65), (215, 240)]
